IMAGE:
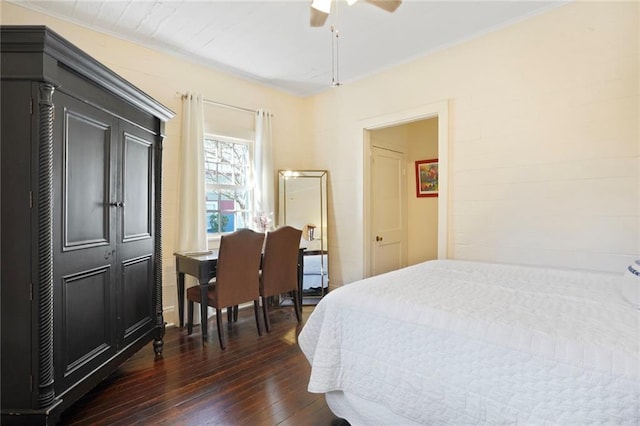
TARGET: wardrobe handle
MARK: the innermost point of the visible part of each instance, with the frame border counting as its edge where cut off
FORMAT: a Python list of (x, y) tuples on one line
[(116, 204)]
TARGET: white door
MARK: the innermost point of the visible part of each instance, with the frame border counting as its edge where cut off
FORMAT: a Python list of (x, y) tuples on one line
[(388, 211)]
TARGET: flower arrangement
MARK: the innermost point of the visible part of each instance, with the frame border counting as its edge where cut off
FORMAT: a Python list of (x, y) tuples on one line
[(262, 221)]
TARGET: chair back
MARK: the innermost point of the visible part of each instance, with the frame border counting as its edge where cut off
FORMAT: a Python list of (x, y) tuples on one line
[(238, 268), (280, 261)]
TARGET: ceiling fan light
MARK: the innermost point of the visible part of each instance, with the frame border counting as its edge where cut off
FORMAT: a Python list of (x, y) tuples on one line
[(322, 5)]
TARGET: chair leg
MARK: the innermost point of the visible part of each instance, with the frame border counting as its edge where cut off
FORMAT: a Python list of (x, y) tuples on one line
[(265, 313), (255, 311), (220, 330), (232, 314), (190, 317), (296, 305)]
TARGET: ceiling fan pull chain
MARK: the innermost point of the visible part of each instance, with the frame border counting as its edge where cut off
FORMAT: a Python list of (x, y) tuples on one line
[(333, 65), (335, 56), (335, 48)]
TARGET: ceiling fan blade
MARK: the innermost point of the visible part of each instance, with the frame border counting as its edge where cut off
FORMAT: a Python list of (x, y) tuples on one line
[(318, 18), (388, 5)]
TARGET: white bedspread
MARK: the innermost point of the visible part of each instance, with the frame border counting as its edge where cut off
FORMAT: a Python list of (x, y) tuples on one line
[(465, 343)]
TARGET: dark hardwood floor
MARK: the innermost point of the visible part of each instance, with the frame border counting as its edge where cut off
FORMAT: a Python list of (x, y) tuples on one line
[(255, 381)]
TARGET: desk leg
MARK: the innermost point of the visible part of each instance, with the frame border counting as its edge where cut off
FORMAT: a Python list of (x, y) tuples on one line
[(181, 298), (204, 287), (300, 277)]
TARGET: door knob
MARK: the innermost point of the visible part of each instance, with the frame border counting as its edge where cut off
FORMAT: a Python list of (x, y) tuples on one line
[(378, 238)]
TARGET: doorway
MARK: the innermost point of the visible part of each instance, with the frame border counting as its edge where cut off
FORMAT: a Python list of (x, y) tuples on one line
[(423, 232)]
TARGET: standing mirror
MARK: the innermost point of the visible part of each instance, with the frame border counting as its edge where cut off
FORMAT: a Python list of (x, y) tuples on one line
[(302, 196)]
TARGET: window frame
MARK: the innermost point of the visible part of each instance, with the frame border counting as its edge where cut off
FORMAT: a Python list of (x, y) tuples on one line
[(249, 184)]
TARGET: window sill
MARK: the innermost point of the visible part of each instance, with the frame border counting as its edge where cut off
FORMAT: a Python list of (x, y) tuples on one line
[(213, 241)]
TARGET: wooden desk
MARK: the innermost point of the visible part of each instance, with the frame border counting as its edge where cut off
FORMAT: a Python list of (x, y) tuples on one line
[(203, 268)]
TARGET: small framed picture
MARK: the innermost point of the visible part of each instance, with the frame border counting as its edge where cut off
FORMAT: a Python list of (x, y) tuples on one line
[(427, 178)]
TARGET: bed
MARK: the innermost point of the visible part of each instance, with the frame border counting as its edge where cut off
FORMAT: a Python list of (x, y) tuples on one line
[(456, 342)]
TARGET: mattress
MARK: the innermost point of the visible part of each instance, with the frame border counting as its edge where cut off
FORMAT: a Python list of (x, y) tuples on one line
[(454, 342)]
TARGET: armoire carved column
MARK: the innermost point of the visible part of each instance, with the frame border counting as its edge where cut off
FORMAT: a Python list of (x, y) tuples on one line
[(46, 391)]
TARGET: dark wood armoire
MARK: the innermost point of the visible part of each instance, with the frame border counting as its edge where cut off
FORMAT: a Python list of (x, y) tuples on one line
[(80, 212)]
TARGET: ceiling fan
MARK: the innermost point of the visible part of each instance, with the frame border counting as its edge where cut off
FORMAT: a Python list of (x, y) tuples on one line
[(320, 9)]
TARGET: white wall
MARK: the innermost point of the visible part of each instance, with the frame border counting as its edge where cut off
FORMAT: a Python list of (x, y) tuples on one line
[(543, 126)]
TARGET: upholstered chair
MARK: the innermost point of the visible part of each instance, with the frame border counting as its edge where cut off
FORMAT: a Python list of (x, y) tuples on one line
[(237, 278), (280, 268)]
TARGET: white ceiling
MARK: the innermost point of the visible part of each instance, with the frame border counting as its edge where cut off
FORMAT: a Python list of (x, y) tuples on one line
[(272, 42)]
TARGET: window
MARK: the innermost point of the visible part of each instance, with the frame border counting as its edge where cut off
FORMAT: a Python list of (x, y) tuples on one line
[(227, 183)]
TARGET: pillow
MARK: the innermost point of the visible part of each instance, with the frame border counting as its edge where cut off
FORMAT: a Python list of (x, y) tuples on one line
[(630, 284)]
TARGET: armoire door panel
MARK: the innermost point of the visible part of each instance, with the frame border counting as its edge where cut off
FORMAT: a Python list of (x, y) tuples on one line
[(87, 307), (84, 239), (137, 187), (137, 307), (84, 158), (135, 233), (86, 180)]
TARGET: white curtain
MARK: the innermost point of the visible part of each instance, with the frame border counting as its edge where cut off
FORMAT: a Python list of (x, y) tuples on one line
[(263, 168), (192, 210), (192, 227)]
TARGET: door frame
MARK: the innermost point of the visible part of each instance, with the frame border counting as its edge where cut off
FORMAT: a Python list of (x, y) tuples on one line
[(439, 110)]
